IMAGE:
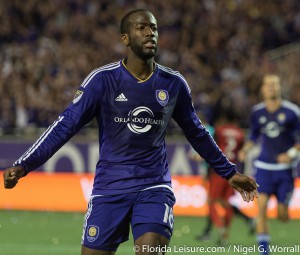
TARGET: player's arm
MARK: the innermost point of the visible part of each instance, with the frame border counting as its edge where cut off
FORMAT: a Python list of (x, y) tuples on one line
[(293, 152), (290, 155), (83, 108), (198, 136), (251, 141), (193, 155), (185, 115), (242, 154)]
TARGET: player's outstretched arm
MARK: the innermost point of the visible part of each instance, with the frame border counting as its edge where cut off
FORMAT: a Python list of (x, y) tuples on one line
[(246, 186), (12, 175), (242, 154)]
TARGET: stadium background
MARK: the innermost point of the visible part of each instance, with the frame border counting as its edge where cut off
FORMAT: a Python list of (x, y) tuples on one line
[(48, 47)]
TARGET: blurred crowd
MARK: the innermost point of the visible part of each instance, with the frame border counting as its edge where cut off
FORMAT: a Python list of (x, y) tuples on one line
[(221, 47)]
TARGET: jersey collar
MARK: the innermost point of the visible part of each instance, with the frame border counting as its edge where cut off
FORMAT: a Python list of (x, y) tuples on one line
[(138, 79)]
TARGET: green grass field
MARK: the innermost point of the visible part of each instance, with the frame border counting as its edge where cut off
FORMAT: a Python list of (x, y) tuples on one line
[(48, 233)]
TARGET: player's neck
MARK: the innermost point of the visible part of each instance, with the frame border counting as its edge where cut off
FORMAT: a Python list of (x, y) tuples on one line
[(139, 68), (273, 104)]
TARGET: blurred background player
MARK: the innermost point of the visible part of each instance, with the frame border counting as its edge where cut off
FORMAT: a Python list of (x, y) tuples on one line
[(204, 170), (230, 137), (274, 125)]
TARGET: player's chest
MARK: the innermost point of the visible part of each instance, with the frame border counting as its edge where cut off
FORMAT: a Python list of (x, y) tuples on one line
[(126, 96), (273, 124)]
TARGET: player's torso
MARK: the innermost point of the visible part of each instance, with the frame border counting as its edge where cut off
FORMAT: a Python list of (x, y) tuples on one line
[(277, 131), (135, 114)]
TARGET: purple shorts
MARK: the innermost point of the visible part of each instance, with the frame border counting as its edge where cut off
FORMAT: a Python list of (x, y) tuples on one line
[(108, 218), (279, 183)]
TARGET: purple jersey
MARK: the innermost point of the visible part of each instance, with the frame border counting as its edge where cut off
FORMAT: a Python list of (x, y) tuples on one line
[(277, 132), (132, 116)]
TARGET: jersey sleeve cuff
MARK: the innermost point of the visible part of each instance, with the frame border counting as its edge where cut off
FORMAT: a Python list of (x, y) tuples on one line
[(227, 177), (23, 165)]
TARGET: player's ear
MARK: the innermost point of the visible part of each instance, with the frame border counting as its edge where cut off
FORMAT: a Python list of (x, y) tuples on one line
[(125, 39)]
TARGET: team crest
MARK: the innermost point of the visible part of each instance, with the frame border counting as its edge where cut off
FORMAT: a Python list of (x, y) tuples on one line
[(162, 96), (262, 120), (77, 96), (281, 117), (92, 233)]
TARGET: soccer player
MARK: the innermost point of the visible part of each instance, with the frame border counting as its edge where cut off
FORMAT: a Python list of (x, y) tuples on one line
[(230, 138), (275, 124), (133, 101), (204, 170)]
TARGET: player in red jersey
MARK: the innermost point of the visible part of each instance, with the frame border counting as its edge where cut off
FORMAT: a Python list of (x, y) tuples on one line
[(229, 137)]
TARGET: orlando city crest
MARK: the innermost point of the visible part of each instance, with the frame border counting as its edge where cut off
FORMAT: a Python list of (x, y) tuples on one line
[(281, 117), (162, 97), (92, 233)]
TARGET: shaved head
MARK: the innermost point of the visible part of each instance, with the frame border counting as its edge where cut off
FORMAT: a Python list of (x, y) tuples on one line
[(125, 22)]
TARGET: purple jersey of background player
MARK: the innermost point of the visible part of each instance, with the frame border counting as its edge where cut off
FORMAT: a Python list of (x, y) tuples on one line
[(132, 116), (277, 132)]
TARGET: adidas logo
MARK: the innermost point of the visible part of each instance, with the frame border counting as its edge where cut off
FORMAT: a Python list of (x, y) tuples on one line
[(121, 97)]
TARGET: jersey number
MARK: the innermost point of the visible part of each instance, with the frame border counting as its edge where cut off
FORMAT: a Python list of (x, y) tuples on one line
[(169, 216), (230, 148)]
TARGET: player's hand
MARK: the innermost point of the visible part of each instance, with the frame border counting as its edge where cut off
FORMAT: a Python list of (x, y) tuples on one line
[(284, 158), (246, 186), (12, 175)]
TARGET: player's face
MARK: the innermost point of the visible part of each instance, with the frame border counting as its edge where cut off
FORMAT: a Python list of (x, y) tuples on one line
[(143, 35), (271, 87)]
